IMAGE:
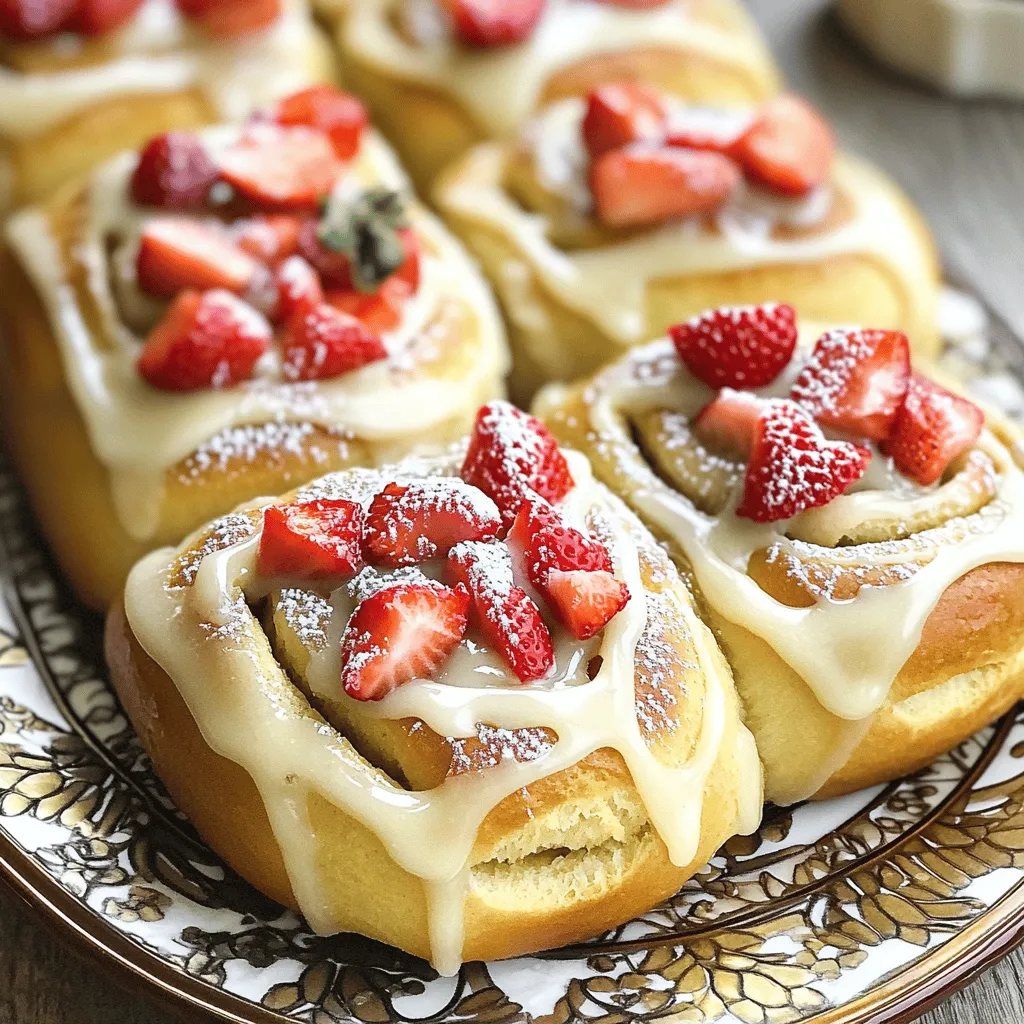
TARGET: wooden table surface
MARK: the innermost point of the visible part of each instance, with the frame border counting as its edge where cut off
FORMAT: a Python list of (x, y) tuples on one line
[(964, 165)]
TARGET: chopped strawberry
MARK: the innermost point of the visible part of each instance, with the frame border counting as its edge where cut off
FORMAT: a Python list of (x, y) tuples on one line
[(226, 18), (931, 429), (788, 148), (705, 127), (620, 113), (174, 170), (727, 423), (338, 114), (34, 19), (640, 185), (409, 271), (321, 342), (512, 456), (792, 467), (401, 633), (505, 614), (281, 167), (175, 253), (585, 602), (311, 540), (332, 266), (856, 381), (380, 311), (206, 340), (493, 22), (739, 347), (269, 238), (411, 523), (296, 287), (97, 17)]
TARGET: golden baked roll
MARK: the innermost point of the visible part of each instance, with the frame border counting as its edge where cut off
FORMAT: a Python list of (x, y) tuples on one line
[(133, 68), (418, 731), (610, 218), (869, 593), (443, 75), (188, 329)]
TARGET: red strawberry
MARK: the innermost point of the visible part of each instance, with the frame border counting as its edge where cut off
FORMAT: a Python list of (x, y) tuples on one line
[(311, 540), (321, 342), (511, 456), (296, 287), (638, 186), (585, 602), (740, 347), (175, 253), (856, 381), (34, 19), (338, 114), (332, 266), (205, 340), (792, 467), (226, 18), (279, 167), (401, 633), (789, 148), (411, 523), (381, 311), (174, 170), (620, 113), (727, 423), (97, 17), (932, 428), (493, 22), (269, 238), (506, 616)]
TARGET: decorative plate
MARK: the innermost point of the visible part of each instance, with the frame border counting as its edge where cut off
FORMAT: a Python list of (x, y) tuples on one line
[(862, 909)]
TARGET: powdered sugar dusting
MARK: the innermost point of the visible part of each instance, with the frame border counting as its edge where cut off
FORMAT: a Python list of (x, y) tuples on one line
[(222, 533)]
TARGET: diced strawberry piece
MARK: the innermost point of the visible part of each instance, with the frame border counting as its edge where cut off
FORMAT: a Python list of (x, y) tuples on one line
[(225, 18), (411, 523), (97, 17), (332, 266), (338, 114), (740, 347), (504, 613), (281, 167), (322, 342), (174, 171), (856, 381), (206, 340), (381, 311), (512, 456), (34, 19), (312, 540), (493, 22), (409, 271), (620, 113), (932, 428), (792, 467), (789, 148), (269, 238), (639, 186), (401, 633), (585, 602), (705, 128), (727, 423), (562, 547), (175, 253), (296, 287)]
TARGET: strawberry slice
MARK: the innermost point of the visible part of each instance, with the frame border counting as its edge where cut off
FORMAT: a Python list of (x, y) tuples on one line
[(175, 253), (620, 113), (512, 456), (503, 612), (380, 312), (856, 381), (97, 17), (639, 186), (931, 429), (789, 147), (493, 22), (740, 347), (174, 170), (311, 540), (206, 340), (339, 115), (401, 633), (585, 602), (321, 342), (333, 266), (727, 423), (268, 238), (226, 18), (281, 167), (34, 19), (792, 467), (296, 287)]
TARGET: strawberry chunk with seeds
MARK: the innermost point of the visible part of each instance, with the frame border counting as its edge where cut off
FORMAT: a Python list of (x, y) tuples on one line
[(932, 428), (322, 342), (789, 147), (381, 311), (512, 456), (493, 22), (339, 115), (504, 613), (640, 186), (174, 171), (97, 17), (411, 523), (296, 288), (175, 253), (206, 340), (727, 423), (268, 238), (738, 347), (401, 633), (312, 540), (585, 602), (856, 381), (793, 467), (227, 18), (620, 113), (34, 19)]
